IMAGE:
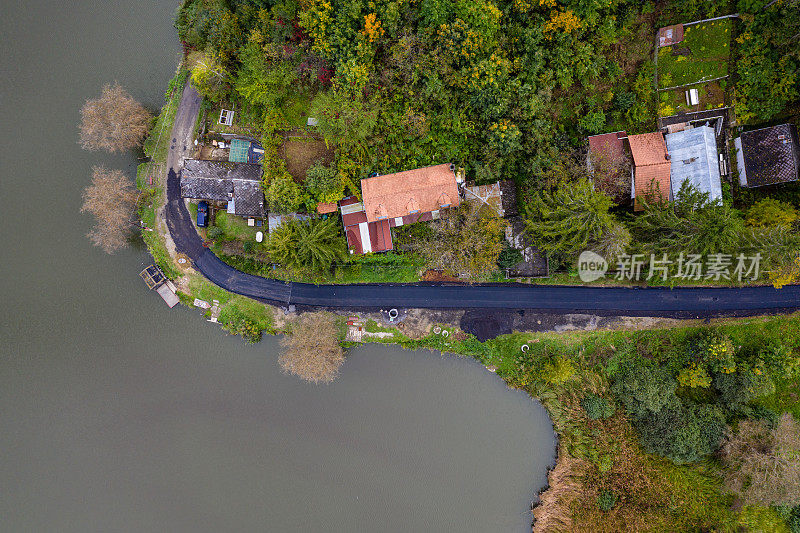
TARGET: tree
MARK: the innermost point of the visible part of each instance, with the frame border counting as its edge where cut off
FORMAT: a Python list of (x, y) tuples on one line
[(347, 122), (739, 388), (763, 464), (323, 183), (209, 75), (111, 198), (509, 257), (113, 122), (613, 242), (312, 245), (283, 193), (770, 212), (312, 350), (645, 390), (570, 218), (611, 174), (691, 224), (683, 435), (263, 82), (465, 240)]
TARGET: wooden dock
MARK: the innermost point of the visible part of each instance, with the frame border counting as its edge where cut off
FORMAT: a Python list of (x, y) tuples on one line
[(156, 280)]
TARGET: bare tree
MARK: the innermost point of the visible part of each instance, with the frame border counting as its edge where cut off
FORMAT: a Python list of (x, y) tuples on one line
[(611, 174), (312, 350), (111, 198), (763, 463), (465, 241), (113, 122)]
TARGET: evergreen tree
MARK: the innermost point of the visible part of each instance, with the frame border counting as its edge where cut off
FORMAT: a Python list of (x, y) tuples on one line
[(570, 218)]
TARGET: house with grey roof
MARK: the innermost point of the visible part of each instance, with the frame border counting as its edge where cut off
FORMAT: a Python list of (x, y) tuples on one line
[(237, 185), (694, 158), (768, 156)]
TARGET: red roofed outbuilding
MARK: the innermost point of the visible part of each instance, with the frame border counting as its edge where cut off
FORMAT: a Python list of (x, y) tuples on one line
[(363, 236), (652, 168)]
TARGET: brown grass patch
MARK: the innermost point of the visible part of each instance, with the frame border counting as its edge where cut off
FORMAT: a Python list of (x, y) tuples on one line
[(436, 275), (565, 487), (301, 152)]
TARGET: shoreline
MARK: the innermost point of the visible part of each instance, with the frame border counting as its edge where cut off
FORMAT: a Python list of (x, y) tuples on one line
[(490, 350)]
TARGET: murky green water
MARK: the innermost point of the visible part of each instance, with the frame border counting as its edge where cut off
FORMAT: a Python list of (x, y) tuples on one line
[(118, 414)]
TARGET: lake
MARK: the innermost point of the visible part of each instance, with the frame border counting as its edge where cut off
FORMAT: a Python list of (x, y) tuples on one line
[(119, 414)]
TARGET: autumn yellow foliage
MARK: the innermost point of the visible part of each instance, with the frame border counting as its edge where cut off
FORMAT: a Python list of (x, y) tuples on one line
[(372, 27), (561, 21)]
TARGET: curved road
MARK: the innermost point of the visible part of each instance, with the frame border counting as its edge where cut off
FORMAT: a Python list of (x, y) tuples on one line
[(679, 302)]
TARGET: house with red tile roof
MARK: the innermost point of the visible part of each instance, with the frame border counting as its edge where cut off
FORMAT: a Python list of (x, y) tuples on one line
[(410, 196), (652, 167), (394, 200)]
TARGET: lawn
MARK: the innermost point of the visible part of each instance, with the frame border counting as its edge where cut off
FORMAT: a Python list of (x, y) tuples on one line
[(702, 55), (235, 227), (238, 315), (374, 269)]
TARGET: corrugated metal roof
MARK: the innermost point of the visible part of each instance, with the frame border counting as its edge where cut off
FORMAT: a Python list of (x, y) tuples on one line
[(695, 159), (363, 236)]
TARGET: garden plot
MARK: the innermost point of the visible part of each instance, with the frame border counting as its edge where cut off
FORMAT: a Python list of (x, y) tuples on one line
[(301, 151), (701, 56), (710, 96)]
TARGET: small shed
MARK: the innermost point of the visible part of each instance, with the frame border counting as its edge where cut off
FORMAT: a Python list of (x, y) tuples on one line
[(500, 197), (323, 208), (670, 35), (168, 295)]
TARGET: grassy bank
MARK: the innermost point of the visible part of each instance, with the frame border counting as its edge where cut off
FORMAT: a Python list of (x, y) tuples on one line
[(238, 315), (151, 176)]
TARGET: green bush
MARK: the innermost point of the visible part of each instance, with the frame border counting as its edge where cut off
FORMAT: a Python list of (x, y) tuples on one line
[(740, 388), (596, 407), (624, 100), (793, 520), (645, 389), (770, 212), (682, 435), (283, 194), (323, 183), (215, 232), (558, 371), (509, 257), (607, 500)]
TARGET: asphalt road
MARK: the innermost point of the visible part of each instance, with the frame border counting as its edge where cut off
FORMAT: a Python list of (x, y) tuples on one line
[(677, 302)]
